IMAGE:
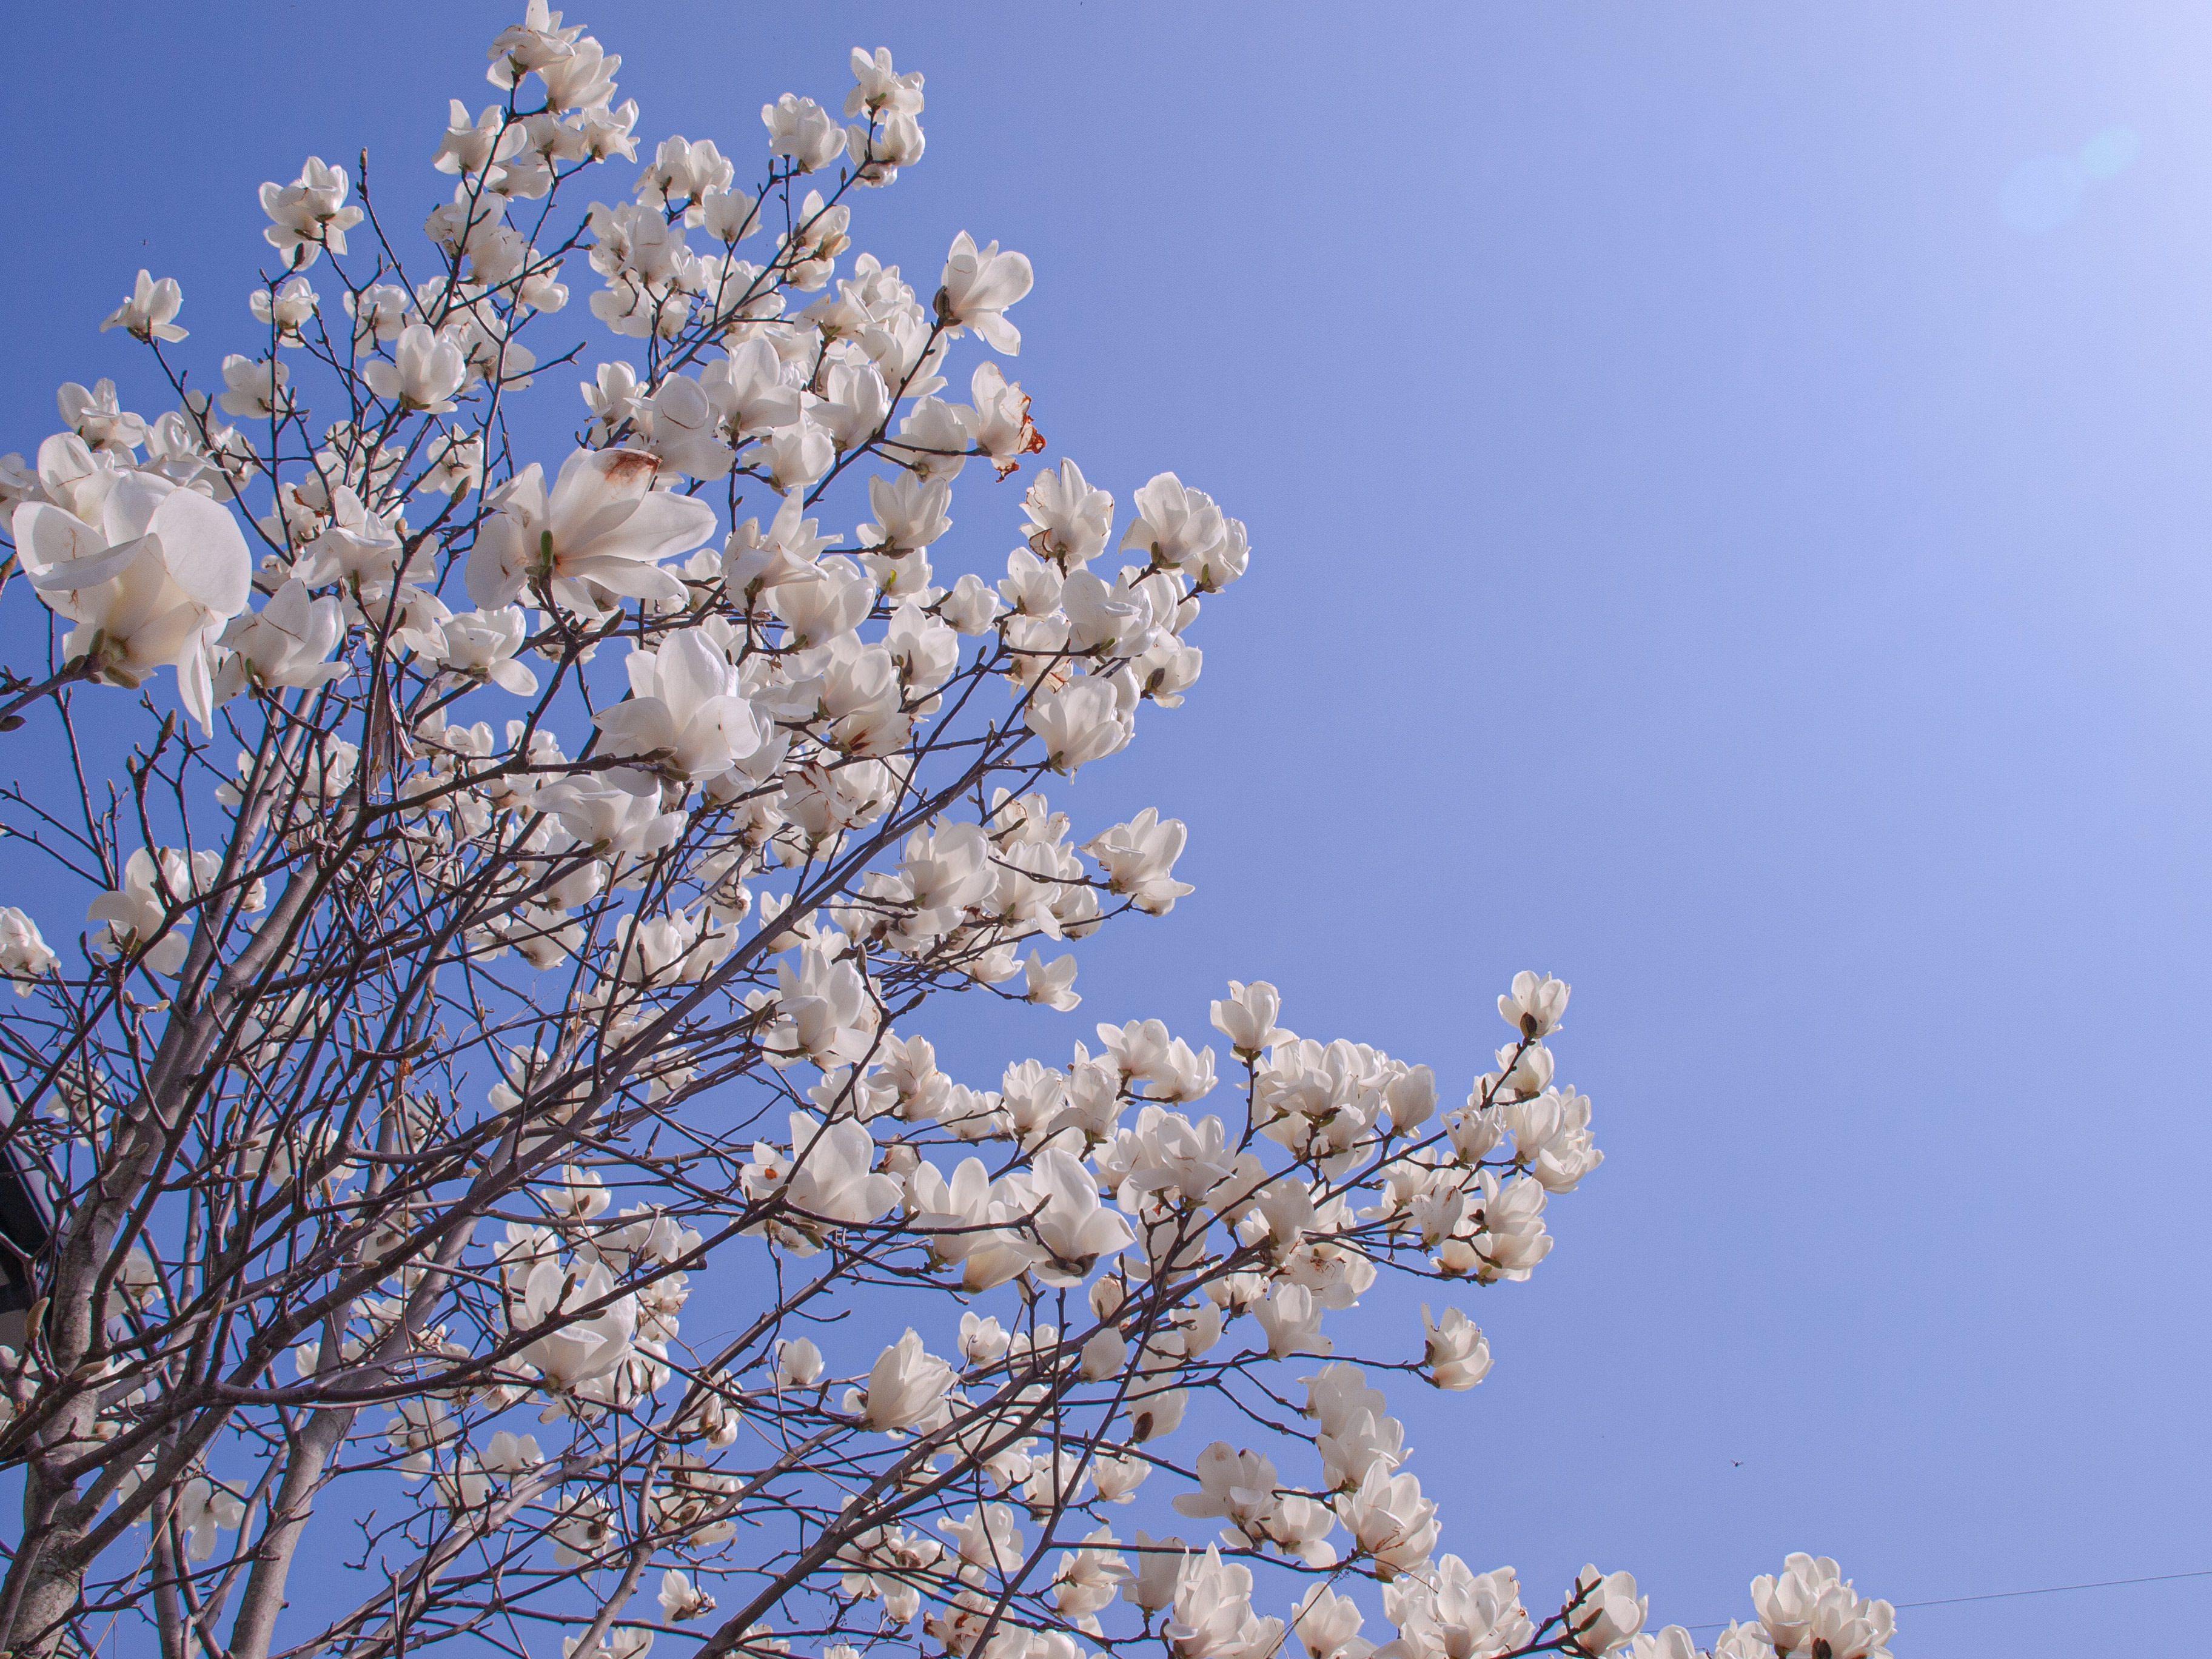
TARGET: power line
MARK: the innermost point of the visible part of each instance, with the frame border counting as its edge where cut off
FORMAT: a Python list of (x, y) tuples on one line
[(2000, 1595)]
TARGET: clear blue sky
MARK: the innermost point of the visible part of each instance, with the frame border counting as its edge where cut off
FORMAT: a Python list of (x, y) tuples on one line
[(1729, 492)]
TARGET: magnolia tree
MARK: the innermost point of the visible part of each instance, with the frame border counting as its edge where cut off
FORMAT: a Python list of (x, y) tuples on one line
[(513, 898)]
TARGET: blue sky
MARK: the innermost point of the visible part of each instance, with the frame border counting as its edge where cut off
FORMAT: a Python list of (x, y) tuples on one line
[(1728, 492)]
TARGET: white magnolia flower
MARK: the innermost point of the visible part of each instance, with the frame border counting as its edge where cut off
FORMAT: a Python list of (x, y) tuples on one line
[(603, 527), (1104, 1357), (879, 90), (380, 313), (1072, 1227), (591, 1327), (1812, 1606), (1551, 1136), (987, 1541), (674, 949), (1070, 522), (1118, 1478), (1510, 1239), (583, 1531), (1457, 1353), (1168, 669), (150, 311), (472, 146), (1411, 1098), (833, 1176), (1742, 1641), (150, 587), (96, 416), (1079, 724), (984, 1340), (1032, 587), (581, 1195), (1292, 1317), (1179, 1074), (285, 309), (579, 79), (797, 455), (255, 388), (798, 1364), (924, 649), (1238, 1485), (1160, 1564), (1089, 1578), (685, 171), (1337, 1396), (971, 607), (685, 431), (612, 394), (508, 1452), (24, 955), (802, 130), (1534, 1006), (355, 547), (607, 130), (1361, 1442), (1248, 1018), (69, 474), (607, 818), (978, 287), (753, 563), (425, 371), (876, 156), (685, 718), (1457, 1612), (908, 1388), (479, 644), (1525, 1069), (1394, 1524), (309, 214), (1139, 857), (1000, 428), (1181, 529), (1105, 622), (201, 1508), (287, 643), (730, 216), (1328, 1625), (832, 599), (911, 512), (749, 390), (1606, 1612), (529, 46), (823, 1012), (1846, 1626), (1211, 1617), (963, 1219), (856, 405), (680, 1599), (1052, 984)]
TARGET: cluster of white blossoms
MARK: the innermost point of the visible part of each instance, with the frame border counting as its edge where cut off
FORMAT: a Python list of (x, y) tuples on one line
[(544, 945)]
